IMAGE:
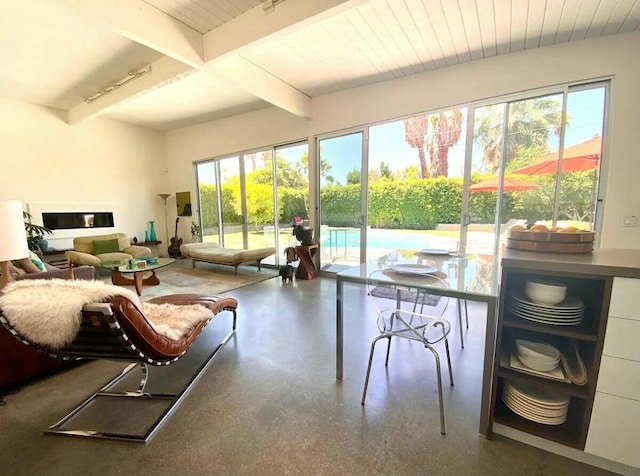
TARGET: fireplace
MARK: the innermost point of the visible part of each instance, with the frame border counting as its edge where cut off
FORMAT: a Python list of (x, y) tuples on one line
[(75, 220)]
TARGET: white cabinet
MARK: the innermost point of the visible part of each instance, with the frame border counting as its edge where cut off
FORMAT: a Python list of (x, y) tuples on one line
[(614, 430)]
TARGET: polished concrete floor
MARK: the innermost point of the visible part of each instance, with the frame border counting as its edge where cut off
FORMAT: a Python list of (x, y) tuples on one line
[(269, 403)]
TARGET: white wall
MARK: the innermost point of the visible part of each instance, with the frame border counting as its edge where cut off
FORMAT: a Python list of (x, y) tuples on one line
[(50, 164), (617, 56)]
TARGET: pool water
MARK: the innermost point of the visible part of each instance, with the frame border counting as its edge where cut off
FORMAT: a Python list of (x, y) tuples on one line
[(385, 239)]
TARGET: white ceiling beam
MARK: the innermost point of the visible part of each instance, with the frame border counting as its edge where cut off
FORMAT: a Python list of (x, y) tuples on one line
[(217, 51), (262, 84), (144, 24), (258, 25), (163, 71), (223, 47)]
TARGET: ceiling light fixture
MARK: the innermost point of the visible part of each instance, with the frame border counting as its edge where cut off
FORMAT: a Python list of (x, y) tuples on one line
[(270, 5), (112, 86)]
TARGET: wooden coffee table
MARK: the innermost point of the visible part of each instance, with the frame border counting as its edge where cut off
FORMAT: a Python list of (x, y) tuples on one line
[(118, 272)]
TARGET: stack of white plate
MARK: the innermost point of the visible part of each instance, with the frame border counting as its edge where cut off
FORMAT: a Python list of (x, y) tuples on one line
[(567, 313), (537, 355), (534, 404)]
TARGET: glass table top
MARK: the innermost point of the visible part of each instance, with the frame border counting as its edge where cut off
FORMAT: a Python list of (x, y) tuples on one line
[(469, 273), (123, 265)]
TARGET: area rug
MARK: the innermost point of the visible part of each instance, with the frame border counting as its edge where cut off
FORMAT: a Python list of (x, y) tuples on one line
[(206, 278)]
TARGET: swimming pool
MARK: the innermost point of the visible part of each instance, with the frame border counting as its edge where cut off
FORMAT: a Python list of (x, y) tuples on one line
[(340, 238)]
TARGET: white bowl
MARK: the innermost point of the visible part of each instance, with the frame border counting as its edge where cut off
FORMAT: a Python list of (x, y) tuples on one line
[(537, 351), (545, 292), (539, 365)]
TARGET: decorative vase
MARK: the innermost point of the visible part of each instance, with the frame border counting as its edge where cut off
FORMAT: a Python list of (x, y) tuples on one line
[(152, 231), (146, 235), (304, 235), (43, 245)]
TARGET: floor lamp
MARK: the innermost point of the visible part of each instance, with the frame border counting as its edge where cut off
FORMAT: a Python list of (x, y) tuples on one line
[(14, 240), (164, 197)]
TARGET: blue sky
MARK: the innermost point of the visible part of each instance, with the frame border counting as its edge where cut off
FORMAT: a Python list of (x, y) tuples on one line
[(387, 143)]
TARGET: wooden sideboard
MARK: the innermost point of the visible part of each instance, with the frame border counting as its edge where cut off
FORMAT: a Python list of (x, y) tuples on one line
[(604, 415)]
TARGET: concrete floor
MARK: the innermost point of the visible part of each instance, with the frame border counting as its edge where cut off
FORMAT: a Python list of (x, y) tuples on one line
[(269, 403)]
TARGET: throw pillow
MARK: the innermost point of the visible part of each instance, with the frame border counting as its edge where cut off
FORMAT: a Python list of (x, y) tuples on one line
[(105, 246), (35, 259)]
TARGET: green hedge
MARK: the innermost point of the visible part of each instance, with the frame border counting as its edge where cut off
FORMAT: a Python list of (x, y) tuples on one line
[(413, 204)]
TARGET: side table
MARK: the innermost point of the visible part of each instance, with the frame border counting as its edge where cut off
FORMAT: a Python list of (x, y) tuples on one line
[(307, 268)]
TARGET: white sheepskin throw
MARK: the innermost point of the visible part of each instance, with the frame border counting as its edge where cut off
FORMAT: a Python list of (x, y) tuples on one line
[(49, 312), (173, 321)]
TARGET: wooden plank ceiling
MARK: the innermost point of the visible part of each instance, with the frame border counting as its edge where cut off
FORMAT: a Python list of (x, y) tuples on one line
[(215, 58)]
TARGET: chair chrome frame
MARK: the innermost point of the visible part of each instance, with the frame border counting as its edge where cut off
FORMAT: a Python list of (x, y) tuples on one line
[(111, 332), (409, 330)]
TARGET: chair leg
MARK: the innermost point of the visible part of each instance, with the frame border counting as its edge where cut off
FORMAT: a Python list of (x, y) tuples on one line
[(366, 380), (466, 313), (440, 399), (459, 306), (386, 361), (446, 346)]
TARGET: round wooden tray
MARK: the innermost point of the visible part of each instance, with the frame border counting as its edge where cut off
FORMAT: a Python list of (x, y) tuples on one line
[(549, 246), (552, 237)]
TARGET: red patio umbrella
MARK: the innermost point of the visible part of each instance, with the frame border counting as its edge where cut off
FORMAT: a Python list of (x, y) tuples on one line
[(583, 156), (509, 185)]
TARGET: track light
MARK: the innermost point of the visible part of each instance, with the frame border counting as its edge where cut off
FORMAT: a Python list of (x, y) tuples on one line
[(270, 5), (112, 86)]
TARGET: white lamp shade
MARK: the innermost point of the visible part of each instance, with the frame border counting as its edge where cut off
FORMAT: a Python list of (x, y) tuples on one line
[(13, 244)]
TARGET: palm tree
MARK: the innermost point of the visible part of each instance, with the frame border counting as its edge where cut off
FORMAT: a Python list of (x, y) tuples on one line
[(415, 132), (531, 122), (445, 131)]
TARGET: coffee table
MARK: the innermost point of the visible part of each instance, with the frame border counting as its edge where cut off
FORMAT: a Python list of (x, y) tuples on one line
[(118, 270)]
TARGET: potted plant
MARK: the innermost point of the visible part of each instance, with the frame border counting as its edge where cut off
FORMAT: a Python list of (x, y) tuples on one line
[(195, 232), (303, 235), (35, 234)]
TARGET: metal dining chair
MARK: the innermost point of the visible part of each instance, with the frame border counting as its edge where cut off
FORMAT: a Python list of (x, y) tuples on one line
[(404, 312)]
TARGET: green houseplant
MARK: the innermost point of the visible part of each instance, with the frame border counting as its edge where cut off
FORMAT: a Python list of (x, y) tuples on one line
[(195, 232), (35, 233)]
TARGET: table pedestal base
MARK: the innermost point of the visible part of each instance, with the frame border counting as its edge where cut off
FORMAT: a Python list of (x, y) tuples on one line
[(138, 280), (307, 268)]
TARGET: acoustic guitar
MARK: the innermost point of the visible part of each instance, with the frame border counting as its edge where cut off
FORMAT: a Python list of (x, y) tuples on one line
[(174, 247)]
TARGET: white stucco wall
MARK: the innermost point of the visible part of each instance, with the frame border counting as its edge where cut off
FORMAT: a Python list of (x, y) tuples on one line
[(110, 165), (614, 56)]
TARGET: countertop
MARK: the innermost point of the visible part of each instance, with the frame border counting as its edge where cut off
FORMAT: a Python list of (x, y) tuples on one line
[(604, 262)]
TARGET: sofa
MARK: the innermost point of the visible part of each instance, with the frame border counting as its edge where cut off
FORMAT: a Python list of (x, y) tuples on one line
[(19, 363), (93, 250), (214, 253)]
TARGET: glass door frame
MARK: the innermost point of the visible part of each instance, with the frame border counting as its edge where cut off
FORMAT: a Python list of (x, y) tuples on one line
[(565, 90), (364, 184)]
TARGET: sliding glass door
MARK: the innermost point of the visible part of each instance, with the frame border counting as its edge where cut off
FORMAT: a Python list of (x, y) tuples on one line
[(460, 178), (250, 201), (342, 183)]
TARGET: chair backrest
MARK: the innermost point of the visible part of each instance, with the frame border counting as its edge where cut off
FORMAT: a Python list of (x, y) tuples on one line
[(387, 294), (409, 311), (84, 244)]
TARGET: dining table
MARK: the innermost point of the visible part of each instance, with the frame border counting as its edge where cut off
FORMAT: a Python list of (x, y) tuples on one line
[(470, 276)]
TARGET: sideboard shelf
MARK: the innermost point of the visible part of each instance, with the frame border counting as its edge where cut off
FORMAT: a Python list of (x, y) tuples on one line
[(579, 332)]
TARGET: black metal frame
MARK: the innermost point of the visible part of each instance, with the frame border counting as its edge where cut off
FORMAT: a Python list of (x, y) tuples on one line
[(105, 313)]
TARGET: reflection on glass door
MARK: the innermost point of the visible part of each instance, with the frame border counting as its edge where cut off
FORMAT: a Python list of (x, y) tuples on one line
[(207, 179), (258, 197), (341, 216), (292, 180), (414, 190), (231, 203)]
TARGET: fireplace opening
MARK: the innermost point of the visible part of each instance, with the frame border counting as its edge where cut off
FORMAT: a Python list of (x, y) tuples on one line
[(74, 220)]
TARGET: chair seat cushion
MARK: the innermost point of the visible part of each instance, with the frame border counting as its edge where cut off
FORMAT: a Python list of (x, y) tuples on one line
[(117, 256), (150, 342), (217, 254)]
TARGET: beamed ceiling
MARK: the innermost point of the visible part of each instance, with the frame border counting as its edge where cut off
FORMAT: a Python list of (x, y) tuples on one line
[(210, 59)]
